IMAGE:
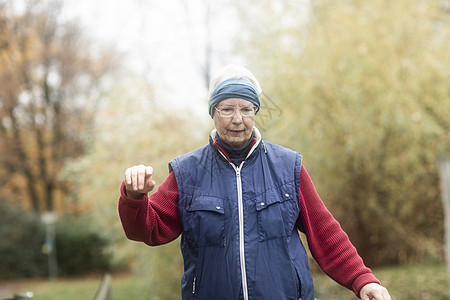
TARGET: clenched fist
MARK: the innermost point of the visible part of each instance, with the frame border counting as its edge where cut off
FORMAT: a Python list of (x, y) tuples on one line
[(138, 181)]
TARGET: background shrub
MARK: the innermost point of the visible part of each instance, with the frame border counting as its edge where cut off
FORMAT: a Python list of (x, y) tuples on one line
[(22, 236), (80, 248)]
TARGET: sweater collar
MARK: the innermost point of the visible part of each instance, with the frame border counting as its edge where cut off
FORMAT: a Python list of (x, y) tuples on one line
[(253, 143)]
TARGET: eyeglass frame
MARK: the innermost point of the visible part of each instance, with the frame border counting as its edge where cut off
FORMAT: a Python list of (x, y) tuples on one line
[(218, 109)]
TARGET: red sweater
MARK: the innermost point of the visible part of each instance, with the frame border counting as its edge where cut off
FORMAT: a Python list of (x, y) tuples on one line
[(154, 221)]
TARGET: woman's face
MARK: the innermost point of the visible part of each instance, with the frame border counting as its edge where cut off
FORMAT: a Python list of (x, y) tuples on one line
[(235, 130)]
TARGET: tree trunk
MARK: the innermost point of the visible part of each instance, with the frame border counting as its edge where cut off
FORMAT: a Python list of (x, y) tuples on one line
[(444, 167)]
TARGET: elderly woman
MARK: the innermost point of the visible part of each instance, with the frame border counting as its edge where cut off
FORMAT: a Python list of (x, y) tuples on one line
[(238, 204)]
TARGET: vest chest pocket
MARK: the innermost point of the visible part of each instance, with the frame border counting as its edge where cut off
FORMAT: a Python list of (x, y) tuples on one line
[(204, 223), (277, 211)]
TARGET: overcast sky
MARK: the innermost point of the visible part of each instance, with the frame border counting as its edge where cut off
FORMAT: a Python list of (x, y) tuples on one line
[(165, 40)]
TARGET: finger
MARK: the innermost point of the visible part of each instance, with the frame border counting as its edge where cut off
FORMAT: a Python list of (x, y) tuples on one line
[(364, 297), (149, 184), (134, 180), (141, 176), (378, 296), (370, 295), (128, 176), (148, 172), (382, 294)]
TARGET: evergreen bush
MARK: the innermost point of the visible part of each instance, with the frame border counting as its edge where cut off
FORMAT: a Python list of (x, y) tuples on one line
[(80, 247)]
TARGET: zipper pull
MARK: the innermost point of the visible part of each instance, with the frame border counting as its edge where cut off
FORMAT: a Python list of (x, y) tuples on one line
[(238, 169), (193, 285)]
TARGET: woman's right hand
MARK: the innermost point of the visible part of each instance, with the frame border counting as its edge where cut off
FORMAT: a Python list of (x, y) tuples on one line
[(138, 181)]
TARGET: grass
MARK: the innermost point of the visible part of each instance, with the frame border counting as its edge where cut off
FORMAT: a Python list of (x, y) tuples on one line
[(418, 282), (123, 287), (421, 282)]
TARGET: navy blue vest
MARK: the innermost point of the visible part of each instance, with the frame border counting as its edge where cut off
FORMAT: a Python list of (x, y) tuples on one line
[(239, 239)]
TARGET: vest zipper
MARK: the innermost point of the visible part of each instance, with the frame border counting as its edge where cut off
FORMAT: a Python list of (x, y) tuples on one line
[(241, 230), (193, 285), (241, 223)]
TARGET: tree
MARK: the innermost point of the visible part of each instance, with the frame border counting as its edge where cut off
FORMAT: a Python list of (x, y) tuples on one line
[(364, 93), (50, 83)]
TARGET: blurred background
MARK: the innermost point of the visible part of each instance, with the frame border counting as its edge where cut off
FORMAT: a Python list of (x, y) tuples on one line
[(89, 88)]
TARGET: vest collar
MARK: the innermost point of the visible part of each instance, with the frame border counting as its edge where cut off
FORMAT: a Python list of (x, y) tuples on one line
[(257, 135)]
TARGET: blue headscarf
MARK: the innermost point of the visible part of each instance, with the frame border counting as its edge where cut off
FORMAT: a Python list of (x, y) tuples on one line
[(233, 88)]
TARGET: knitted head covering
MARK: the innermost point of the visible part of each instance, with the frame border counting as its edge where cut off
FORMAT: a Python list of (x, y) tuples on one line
[(233, 81), (234, 88)]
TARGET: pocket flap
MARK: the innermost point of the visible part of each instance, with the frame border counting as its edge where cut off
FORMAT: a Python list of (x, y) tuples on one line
[(273, 196), (207, 203)]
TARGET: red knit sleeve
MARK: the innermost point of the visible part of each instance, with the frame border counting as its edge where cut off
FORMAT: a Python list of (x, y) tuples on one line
[(152, 219), (328, 243)]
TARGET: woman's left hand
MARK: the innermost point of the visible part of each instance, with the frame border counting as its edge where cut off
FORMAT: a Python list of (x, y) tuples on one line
[(374, 291)]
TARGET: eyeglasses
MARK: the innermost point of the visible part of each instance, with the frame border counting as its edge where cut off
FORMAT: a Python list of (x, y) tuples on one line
[(229, 111)]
